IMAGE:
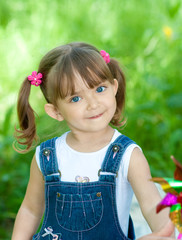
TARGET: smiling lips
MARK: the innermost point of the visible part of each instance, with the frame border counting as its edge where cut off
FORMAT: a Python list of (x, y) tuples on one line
[(96, 116)]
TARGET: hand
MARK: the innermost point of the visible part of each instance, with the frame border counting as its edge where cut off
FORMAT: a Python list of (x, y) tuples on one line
[(164, 234)]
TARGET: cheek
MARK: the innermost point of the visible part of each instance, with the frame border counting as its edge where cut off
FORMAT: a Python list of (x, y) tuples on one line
[(112, 102), (113, 106), (75, 111)]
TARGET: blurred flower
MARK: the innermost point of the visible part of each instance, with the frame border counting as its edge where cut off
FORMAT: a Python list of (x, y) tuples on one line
[(168, 31), (105, 56)]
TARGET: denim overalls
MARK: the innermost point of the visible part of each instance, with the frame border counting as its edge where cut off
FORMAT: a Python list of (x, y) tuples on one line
[(82, 211)]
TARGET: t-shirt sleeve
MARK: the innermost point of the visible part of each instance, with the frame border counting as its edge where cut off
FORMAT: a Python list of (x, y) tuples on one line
[(126, 160), (37, 156), (37, 153)]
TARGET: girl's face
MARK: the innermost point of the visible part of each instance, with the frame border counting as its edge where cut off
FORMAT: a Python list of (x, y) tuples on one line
[(89, 109)]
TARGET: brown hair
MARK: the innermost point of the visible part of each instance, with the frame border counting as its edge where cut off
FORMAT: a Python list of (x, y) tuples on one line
[(59, 67)]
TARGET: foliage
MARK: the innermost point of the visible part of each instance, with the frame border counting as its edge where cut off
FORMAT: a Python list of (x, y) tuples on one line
[(145, 36)]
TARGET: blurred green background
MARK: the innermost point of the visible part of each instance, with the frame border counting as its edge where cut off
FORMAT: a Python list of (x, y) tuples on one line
[(145, 36)]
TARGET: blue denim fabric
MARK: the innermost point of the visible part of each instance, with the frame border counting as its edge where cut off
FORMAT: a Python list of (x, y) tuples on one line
[(82, 211)]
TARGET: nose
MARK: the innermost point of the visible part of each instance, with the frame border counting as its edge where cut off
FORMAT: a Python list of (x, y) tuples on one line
[(92, 102)]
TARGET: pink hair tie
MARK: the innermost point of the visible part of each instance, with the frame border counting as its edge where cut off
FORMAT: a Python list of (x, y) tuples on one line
[(35, 78), (105, 56)]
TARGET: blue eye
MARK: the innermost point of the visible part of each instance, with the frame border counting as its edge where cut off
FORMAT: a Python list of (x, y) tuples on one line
[(100, 89), (75, 99)]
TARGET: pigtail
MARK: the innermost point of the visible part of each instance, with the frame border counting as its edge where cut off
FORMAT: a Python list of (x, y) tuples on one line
[(118, 119), (27, 132)]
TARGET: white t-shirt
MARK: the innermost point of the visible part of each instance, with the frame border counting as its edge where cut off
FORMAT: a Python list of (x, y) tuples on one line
[(72, 163)]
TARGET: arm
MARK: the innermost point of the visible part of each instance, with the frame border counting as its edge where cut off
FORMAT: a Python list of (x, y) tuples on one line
[(32, 207), (145, 190), (163, 234)]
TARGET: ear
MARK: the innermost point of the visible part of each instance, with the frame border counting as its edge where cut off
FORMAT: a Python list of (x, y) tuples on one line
[(52, 111), (115, 86)]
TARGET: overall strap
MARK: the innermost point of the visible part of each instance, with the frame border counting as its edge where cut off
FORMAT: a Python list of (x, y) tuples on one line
[(48, 160), (113, 157)]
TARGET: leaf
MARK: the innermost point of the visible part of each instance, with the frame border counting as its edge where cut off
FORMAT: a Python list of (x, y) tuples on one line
[(175, 101), (174, 8), (157, 83), (176, 136), (7, 121)]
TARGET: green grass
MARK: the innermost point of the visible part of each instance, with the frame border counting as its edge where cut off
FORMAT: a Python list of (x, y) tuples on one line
[(145, 36)]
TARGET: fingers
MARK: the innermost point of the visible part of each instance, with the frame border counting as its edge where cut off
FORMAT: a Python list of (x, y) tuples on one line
[(164, 234), (167, 230)]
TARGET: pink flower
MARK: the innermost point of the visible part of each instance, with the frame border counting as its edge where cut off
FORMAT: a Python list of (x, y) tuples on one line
[(105, 56), (35, 78)]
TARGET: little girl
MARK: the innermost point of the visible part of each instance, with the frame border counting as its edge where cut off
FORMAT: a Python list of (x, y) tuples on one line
[(83, 181)]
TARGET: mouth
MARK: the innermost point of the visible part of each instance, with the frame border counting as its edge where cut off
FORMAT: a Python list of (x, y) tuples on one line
[(96, 116)]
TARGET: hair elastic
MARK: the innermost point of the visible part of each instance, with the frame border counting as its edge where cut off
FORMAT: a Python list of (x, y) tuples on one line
[(105, 56), (35, 78)]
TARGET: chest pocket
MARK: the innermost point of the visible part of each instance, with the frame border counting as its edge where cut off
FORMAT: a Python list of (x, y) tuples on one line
[(79, 212)]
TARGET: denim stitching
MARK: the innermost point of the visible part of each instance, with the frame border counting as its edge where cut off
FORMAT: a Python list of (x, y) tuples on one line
[(86, 230), (55, 169), (125, 146), (121, 141), (92, 204), (43, 161), (92, 200), (47, 168), (83, 186), (108, 156), (81, 189), (105, 162), (52, 157), (71, 207), (51, 166), (63, 203), (118, 158), (84, 213), (100, 184)]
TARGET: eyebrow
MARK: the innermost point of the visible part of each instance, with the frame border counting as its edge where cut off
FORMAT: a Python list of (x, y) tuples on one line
[(79, 92), (76, 93)]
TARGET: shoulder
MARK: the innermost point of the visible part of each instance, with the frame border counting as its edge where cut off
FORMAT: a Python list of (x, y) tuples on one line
[(126, 158), (128, 144), (137, 156), (123, 139), (52, 141), (138, 167), (129, 147), (56, 141)]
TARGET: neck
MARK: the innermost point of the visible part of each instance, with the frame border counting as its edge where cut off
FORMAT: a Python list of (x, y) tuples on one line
[(89, 142)]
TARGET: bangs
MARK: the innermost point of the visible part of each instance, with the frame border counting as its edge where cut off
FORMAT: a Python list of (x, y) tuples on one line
[(89, 65)]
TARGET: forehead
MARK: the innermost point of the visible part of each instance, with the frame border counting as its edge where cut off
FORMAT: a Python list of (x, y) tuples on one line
[(81, 84), (74, 71), (76, 82)]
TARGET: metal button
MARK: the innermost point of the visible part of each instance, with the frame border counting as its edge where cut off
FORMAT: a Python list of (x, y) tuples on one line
[(58, 194), (100, 170), (46, 152), (115, 148), (98, 194)]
